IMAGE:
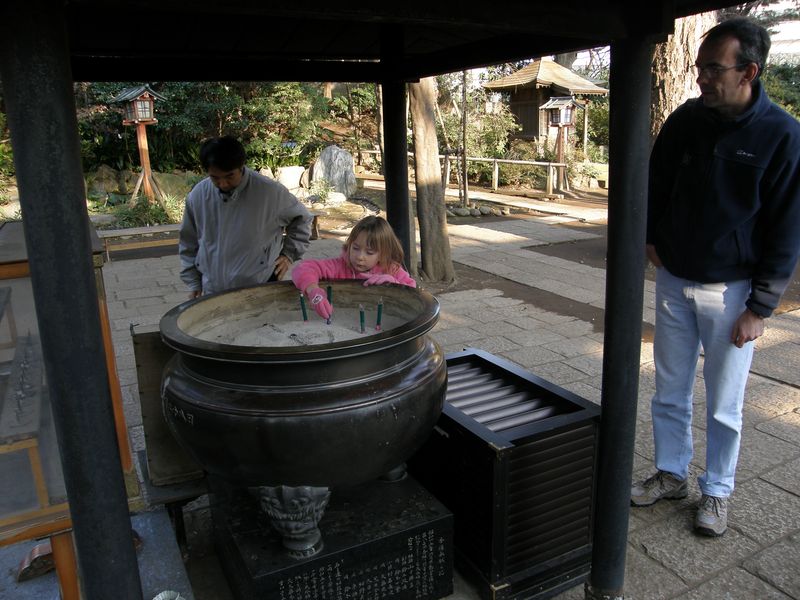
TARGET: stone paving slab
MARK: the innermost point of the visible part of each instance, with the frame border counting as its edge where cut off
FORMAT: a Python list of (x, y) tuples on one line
[(648, 577), (736, 584), (672, 543), (785, 477), (779, 361), (764, 512), (778, 566)]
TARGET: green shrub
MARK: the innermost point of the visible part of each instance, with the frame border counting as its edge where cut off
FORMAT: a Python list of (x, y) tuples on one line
[(523, 175), (321, 188), (782, 83), (143, 213), (6, 160)]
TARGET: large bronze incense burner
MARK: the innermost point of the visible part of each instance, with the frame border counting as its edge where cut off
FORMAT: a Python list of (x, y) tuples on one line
[(296, 419)]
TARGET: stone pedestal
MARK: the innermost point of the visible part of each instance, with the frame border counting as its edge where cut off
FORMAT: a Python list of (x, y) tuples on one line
[(388, 540)]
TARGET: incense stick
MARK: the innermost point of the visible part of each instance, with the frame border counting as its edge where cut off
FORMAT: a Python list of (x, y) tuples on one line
[(330, 301), (303, 307)]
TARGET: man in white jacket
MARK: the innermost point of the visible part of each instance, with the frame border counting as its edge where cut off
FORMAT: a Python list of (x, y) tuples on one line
[(239, 228)]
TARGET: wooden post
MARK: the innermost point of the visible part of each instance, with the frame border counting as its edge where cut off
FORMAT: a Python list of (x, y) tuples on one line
[(144, 161), (465, 201), (66, 565), (586, 129), (395, 170), (495, 174), (40, 106), (631, 64), (446, 170)]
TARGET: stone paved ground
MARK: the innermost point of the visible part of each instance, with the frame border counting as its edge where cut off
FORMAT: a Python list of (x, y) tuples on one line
[(759, 555)]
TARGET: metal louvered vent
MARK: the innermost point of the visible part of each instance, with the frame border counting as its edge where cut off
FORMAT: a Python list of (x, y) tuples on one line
[(513, 457), (496, 401)]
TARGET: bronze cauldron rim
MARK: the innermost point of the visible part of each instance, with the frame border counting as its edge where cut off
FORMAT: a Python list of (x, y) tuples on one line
[(179, 340)]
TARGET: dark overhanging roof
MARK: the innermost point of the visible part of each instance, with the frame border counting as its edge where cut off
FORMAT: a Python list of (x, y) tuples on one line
[(257, 40)]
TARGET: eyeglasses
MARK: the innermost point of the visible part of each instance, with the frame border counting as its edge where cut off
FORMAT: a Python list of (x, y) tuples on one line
[(713, 71)]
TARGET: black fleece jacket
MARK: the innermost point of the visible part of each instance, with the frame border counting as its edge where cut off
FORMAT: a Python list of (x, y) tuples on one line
[(724, 197)]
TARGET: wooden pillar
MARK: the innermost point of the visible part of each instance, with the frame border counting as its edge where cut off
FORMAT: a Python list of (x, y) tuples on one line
[(395, 171), (66, 565), (37, 89), (144, 161), (627, 208), (586, 129)]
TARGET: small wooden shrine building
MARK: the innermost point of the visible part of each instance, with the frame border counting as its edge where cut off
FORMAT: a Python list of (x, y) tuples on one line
[(533, 86)]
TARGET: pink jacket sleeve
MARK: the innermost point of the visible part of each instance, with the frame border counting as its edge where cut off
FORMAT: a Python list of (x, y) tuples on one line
[(310, 270), (403, 277)]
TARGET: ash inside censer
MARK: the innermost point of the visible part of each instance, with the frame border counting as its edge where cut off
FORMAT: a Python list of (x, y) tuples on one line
[(287, 328)]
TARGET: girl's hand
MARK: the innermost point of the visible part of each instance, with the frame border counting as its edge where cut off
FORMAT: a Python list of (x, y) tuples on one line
[(379, 279), (319, 302)]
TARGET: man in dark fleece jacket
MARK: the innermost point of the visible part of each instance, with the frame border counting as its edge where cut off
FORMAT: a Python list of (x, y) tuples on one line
[(723, 231)]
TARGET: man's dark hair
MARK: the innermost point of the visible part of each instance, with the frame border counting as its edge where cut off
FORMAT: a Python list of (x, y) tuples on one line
[(753, 39), (225, 153)]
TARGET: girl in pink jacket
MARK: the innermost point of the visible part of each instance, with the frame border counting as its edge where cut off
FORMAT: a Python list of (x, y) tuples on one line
[(371, 252)]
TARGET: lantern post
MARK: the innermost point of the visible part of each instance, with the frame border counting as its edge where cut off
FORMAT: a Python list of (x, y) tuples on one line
[(139, 111), (561, 114)]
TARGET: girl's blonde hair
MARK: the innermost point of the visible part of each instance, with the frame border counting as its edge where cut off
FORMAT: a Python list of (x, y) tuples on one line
[(381, 238)]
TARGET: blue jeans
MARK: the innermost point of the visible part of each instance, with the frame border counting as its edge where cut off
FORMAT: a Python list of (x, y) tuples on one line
[(689, 314)]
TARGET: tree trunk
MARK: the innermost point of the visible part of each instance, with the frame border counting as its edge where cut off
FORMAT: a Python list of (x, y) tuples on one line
[(355, 121), (379, 118), (437, 264), (464, 171), (673, 77)]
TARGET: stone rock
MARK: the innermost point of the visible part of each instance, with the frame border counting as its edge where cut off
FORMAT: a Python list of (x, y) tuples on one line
[(450, 213), (335, 199), (505, 210), (290, 177), (267, 172), (497, 212), (102, 182), (102, 220), (11, 210), (474, 212), (335, 165), (461, 211), (485, 210)]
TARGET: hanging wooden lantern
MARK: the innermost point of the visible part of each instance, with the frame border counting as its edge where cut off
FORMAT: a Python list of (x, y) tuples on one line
[(561, 111), (139, 105)]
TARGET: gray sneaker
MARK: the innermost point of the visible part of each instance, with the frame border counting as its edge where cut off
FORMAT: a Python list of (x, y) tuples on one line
[(712, 516), (658, 486)]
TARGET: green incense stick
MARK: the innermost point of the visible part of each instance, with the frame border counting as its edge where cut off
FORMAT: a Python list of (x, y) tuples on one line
[(330, 301), (303, 307)]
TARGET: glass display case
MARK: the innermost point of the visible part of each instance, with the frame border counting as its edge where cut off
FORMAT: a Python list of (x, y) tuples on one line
[(33, 502)]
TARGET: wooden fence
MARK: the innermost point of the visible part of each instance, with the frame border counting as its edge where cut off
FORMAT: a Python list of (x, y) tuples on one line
[(554, 171)]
